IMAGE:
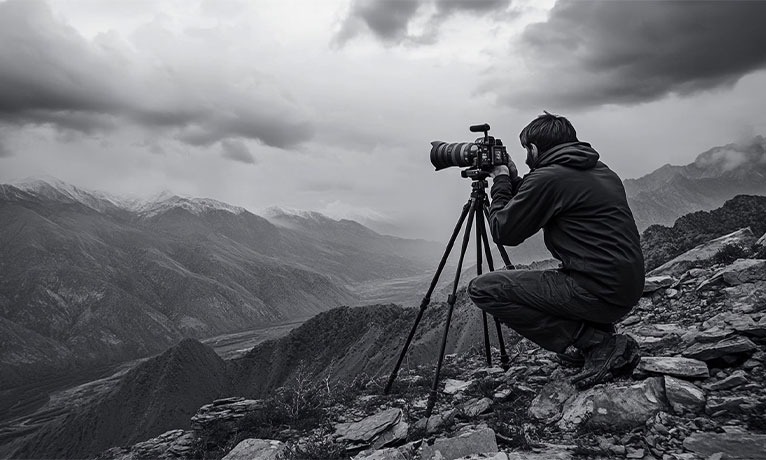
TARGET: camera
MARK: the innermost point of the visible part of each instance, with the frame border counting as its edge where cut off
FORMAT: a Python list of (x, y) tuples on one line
[(483, 154)]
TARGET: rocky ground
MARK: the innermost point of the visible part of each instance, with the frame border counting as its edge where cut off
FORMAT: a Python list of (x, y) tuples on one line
[(699, 392)]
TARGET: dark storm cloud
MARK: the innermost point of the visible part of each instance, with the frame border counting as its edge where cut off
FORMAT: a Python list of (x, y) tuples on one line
[(625, 52), (237, 151), (388, 20), (49, 74)]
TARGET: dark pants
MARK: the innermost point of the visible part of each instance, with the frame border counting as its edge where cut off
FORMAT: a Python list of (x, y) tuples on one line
[(546, 306)]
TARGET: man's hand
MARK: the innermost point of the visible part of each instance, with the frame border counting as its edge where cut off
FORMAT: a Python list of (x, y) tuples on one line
[(509, 169)]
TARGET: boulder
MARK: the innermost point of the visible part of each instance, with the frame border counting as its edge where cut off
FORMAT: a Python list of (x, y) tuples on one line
[(370, 428), (736, 345), (741, 271), (615, 406), (684, 397), (703, 252), (548, 404), (256, 449), (731, 445), (469, 442), (677, 367)]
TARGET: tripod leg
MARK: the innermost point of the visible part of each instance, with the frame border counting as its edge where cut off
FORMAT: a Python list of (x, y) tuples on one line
[(451, 301), (500, 247), (427, 298), (504, 360), (479, 249)]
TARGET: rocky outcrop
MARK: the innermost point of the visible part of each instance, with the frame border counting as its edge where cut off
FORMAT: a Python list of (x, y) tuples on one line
[(704, 252)]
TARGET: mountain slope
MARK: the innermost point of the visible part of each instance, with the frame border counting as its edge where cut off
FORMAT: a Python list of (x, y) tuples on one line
[(86, 278), (157, 395), (714, 177)]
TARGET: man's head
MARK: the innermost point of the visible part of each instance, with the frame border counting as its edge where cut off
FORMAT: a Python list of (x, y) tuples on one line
[(545, 132)]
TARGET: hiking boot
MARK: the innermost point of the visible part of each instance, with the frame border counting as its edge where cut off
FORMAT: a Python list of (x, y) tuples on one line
[(572, 357), (615, 356)]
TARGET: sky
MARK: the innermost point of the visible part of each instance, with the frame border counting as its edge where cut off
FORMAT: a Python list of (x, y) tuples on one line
[(331, 105)]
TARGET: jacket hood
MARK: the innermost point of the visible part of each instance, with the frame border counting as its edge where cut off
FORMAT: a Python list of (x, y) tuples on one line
[(578, 155)]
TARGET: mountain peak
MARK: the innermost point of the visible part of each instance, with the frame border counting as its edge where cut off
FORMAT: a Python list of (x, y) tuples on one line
[(749, 155)]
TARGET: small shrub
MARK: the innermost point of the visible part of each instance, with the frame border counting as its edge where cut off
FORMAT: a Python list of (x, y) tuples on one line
[(315, 448), (730, 253)]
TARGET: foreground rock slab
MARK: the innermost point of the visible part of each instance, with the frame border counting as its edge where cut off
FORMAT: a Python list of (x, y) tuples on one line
[(256, 449), (731, 445), (677, 367), (480, 441), (615, 406)]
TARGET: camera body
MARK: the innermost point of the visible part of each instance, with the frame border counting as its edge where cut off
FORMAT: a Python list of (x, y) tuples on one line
[(481, 155)]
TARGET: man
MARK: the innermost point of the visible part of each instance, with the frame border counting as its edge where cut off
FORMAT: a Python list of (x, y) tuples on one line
[(580, 204)]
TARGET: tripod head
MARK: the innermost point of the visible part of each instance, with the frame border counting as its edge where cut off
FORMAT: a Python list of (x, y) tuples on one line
[(474, 174)]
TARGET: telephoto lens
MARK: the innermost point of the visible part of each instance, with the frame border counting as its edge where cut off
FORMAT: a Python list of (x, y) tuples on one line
[(444, 155)]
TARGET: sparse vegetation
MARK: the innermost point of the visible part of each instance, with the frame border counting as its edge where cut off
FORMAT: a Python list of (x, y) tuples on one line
[(730, 253)]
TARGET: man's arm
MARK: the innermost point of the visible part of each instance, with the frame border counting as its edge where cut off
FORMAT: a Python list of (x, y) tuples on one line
[(520, 207)]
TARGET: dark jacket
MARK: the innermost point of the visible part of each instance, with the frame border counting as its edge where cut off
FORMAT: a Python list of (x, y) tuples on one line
[(580, 204)]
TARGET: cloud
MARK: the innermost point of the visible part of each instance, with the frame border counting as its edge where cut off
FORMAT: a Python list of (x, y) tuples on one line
[(50, 74), (389, 20), (5, 151), (237, 151), (592, 53)]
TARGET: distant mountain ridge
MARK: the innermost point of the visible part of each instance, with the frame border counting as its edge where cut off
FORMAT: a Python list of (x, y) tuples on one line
[(714, 177), (86, 278)]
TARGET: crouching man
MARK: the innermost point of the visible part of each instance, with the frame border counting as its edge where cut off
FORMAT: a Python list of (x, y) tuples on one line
[(580, 204)]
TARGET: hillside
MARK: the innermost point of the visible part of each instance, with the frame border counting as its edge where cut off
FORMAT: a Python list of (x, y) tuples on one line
[(660, 244), (87, 278), (159, 394), (715, 176), (342, 345), (698, 392)]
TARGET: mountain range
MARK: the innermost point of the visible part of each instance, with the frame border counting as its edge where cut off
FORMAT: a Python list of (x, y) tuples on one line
[(88, 278), (715, 176)]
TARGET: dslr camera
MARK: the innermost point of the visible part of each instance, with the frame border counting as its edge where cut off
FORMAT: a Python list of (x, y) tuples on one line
[(480, 156)]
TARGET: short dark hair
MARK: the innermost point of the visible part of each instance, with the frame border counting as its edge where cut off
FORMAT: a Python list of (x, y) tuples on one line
[(547, 131)]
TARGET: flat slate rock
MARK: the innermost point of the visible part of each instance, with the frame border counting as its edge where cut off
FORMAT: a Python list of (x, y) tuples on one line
[(480, 441), (368, 428), (684, 397), (729, 346), (740, 446), (677, 367)]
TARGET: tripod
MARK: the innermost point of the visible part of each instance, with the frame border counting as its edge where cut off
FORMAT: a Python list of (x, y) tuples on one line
[(477, 208)]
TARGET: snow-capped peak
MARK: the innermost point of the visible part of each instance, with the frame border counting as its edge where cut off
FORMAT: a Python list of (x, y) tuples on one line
[(195, 206), (56, 189), (279, 211)]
